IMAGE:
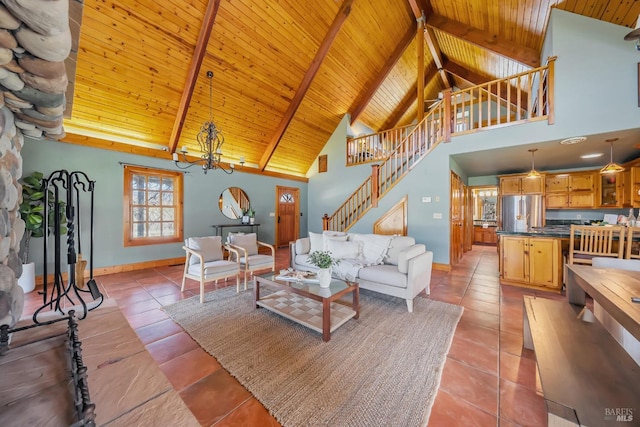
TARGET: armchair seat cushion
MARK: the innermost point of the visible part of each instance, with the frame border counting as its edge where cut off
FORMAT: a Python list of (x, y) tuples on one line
[(384, 273), (257, 261), (219, 268)]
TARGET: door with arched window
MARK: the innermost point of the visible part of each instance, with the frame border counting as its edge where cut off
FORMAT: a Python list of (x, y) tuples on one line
[(287, 215)]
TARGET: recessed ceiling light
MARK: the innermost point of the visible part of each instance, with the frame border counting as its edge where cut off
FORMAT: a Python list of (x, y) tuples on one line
[(574, 140), (591, 156)]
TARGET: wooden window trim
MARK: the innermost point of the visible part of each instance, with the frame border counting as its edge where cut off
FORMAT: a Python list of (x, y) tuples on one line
[(128, 240)]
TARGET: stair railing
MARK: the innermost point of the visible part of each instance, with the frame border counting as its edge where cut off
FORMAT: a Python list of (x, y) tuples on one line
[(521, 98)]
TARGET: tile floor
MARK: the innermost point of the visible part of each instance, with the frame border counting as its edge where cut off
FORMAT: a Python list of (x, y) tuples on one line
[(488, 379)]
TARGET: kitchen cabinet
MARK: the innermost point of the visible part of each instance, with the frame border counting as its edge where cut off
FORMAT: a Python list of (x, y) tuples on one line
[(570, 190), (611, 190), (484, 236), (531, 261), (515, 185), (635, 186)]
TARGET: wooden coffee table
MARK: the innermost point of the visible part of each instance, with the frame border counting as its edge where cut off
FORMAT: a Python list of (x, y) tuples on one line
[(307, 303)]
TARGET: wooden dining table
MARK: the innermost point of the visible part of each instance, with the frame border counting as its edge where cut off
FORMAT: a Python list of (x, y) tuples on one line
[(611, 288)]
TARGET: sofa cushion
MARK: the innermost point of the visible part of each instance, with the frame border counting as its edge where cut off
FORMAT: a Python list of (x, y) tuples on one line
[(249, 242), (303, 246), (397, 244), (303, 261), (341, 250), (385, 274), (210, 247), (406, 254)]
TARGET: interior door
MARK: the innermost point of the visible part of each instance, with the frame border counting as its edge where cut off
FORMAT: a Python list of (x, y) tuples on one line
[(456, 220), (287, 215)]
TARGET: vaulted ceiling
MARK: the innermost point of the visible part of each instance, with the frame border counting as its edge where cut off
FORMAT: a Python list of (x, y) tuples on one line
[(287, 71)]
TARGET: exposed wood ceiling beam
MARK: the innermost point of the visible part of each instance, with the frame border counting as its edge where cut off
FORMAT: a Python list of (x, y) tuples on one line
[(194, 70), (406, 103), (420, 7), (477, 79), (485, 40), (420, 78), (436, 53), (388, 66), (336, 25)]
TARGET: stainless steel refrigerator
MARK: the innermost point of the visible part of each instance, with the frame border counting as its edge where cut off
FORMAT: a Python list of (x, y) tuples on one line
[(521, 213)]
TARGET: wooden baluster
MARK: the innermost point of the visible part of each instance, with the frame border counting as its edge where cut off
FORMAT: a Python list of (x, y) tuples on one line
[(446, 120), (550, 92)]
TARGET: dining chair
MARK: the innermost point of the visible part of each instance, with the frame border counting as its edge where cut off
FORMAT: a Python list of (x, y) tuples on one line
[(588, 241), (633, 247), (245, 251), (205, 262)]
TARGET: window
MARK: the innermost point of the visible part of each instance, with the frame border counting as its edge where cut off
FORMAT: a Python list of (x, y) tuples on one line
[(152, 206)]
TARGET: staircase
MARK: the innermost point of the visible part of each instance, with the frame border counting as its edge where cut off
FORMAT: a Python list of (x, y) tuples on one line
[(521, 98)]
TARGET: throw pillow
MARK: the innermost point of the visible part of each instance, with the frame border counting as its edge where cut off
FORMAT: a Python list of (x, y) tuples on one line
[(303, 246), (316, 241), (342, 249), (249, 242), (337, 238), (210, 247)]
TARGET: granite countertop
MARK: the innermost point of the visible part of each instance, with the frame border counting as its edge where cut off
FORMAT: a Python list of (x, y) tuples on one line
[(557, 231)]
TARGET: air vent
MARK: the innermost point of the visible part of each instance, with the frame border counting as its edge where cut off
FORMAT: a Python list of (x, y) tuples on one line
[(574, 140)]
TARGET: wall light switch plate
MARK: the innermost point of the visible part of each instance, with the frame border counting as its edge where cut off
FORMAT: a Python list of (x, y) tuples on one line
[(437, 198), (272, 214), (426, 199), (437, 215)]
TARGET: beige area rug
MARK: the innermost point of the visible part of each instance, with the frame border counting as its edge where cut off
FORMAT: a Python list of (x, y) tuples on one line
[(383, 369)]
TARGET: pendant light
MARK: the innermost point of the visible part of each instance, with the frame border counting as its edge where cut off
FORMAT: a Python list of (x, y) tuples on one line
[(533, 173), (611, 167)]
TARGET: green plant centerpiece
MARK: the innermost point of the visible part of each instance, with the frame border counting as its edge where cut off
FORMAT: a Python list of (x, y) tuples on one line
[(32, 212), (322, 259)]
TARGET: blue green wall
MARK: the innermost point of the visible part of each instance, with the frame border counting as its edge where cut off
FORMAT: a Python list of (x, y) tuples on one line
[(201, 193)]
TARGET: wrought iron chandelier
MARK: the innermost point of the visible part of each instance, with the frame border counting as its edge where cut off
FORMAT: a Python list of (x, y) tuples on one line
[(210, 139)]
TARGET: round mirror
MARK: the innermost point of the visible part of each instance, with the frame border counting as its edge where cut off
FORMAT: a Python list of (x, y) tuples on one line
[(233, 201)]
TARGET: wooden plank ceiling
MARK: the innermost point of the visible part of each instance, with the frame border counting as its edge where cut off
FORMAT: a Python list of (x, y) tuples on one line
[(286, 72)]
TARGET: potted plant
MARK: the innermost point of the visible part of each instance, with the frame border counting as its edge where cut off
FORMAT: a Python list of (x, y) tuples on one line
[(252, 216), (324, 261), (32, 213)]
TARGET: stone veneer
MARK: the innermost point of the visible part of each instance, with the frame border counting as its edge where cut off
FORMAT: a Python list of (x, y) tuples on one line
[(35, 41)]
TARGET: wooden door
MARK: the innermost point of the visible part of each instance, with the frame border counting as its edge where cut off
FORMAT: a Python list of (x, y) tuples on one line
[(581, 181), (456, 240), (557, 183), (287, 215)]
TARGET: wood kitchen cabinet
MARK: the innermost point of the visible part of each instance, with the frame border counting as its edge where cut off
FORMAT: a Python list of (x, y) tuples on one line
[(570, 190), (520, 184), (484, 236), (635, 186), (614, 190), (531, 261)]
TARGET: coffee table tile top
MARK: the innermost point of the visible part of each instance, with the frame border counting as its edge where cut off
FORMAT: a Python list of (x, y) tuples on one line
[(304, 310)]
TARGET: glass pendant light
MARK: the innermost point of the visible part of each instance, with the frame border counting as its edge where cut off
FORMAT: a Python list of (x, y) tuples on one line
[(533, 173), (611, 167)]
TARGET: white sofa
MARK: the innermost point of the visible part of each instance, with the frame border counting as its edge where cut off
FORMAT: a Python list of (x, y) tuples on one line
[(403, 271)]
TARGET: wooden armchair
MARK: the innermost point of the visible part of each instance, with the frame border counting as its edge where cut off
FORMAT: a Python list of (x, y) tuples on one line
[(588, 241), (205, 262), (633, 248), (245, 251)]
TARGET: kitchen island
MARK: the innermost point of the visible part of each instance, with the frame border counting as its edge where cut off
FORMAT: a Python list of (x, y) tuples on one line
[(533, 258)]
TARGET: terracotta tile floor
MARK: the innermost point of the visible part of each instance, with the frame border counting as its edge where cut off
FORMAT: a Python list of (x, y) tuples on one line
[(488, 379)]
